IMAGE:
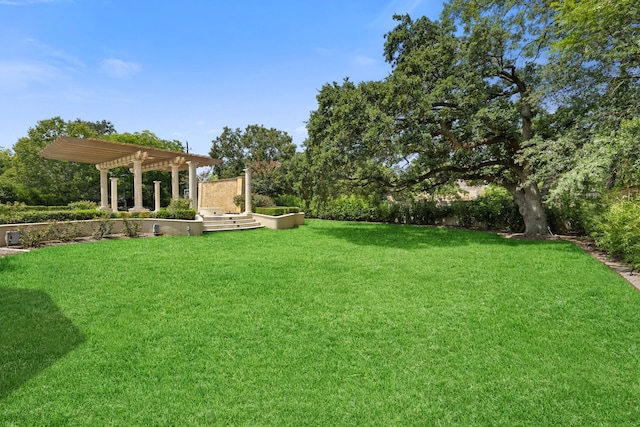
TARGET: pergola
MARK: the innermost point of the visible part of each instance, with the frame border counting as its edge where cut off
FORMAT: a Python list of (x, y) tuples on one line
[(106, 155)]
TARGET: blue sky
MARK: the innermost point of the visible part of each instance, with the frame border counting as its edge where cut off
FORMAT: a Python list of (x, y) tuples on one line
[(185, 69)]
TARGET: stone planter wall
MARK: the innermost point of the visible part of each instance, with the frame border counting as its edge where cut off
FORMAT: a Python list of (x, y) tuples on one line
[(281, 222), (166, 227)]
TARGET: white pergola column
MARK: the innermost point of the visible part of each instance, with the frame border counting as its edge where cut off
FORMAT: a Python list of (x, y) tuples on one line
[(247, 191), (137, 186), (193, 184), (175, 181), (104, 190), (156, 188), (114, 194)]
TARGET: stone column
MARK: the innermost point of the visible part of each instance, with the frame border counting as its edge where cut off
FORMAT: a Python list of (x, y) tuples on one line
[(247, 191), (175, 182), (114, 194), (193, 184), (156, 185), (104, 190), (137, 187)]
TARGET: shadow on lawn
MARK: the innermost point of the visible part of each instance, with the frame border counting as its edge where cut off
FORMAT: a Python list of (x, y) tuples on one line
[(415, 237), (34, 334)]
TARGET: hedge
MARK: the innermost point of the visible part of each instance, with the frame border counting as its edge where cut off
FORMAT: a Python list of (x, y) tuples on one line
[(25, 217), (495, 210)]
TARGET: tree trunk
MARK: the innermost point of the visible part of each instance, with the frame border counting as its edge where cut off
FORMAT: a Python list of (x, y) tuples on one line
[(529, 201)]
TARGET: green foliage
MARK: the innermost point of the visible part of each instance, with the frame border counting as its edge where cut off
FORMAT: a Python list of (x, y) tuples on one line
[(32, 237), (458, 104), (239, 201), (8, 192), (131, 227), (618, 229), (257, 201), (493, 210), (180, 204), (12, 207), (83, 205), (63, 231), (257, 147), (186, 214), (103, 227), (36, 208), (141, 214), (574, 214), (605, 31), (52, 182), (348, 208), (146, 138), (288, 200), (20, 217)]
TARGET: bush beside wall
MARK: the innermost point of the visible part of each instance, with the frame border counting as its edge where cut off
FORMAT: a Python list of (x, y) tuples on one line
[(617, 230), (33, 216), (496, 210)]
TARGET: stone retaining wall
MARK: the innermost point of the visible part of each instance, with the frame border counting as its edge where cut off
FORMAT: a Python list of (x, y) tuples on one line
[(166, 227)]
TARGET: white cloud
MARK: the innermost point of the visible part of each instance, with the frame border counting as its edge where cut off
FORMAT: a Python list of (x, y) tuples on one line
[(364, 61), (61, 57), (200, 123), (301, 129), (39, 80), (20, 74), (118, 68), (401, 7)]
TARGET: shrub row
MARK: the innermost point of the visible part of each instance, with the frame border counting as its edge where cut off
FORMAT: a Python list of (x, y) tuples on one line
[(277, 210), (70, 231), (186, 214), (23, 217), (492, 211), (83, 205), (55, 230)]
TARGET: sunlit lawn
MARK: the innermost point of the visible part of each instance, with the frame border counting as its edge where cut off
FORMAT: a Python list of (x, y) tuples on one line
[(327, 324)]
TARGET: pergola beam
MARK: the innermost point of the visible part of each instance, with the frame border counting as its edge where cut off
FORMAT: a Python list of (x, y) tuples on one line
[(165, 164), (127, 160)]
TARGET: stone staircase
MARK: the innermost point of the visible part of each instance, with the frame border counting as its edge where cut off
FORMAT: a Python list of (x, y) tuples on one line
[(229, 222)]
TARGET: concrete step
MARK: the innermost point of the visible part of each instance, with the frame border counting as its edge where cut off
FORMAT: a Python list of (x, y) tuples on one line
[(226, 217), (229, 223)]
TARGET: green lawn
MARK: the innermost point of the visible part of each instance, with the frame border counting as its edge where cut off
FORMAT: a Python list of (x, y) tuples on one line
[(327, 324)]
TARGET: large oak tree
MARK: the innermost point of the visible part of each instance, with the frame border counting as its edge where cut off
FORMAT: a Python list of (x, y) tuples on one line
[(460, 103)]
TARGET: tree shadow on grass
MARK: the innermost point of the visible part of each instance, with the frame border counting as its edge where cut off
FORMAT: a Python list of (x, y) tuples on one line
[(415, 237), (34, 334)]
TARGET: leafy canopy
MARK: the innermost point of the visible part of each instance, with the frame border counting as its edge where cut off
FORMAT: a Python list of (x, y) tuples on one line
[(457, 105)]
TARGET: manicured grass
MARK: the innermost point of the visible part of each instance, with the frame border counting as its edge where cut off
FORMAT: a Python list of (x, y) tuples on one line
[(327, 324)]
